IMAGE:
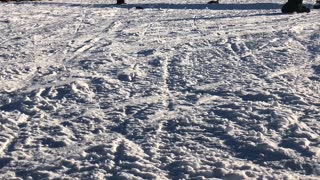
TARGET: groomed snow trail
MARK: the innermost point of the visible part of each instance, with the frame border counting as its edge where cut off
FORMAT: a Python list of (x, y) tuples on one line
[(90, 90)]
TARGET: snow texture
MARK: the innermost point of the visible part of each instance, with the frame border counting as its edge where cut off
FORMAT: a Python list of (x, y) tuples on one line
[(159, 90)]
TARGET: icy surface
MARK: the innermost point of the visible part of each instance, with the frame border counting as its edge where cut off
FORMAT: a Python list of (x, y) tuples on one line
[(90, 90)]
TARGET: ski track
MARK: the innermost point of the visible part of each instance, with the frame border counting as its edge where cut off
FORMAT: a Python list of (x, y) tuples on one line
[(94, 91)]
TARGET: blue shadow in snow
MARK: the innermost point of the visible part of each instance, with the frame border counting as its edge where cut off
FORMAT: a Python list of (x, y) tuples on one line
[(231, 6)]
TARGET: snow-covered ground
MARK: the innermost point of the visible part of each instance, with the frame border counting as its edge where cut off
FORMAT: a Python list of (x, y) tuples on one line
[(91, 90)]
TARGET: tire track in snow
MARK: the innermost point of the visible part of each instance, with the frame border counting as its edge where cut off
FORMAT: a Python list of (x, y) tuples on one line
[(90, 41)]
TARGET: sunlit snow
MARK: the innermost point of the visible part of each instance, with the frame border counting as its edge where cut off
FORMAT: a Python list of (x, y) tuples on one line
[(159, 89)]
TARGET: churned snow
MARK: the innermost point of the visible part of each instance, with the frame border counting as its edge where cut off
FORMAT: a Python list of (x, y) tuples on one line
[(157, 89)]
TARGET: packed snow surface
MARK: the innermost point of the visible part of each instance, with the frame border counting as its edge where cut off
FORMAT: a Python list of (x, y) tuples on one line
[(159, 89)]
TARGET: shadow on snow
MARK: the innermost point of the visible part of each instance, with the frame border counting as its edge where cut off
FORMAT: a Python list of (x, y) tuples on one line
[(250, 6)]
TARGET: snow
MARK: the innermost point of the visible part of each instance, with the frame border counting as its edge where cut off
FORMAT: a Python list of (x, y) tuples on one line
[(183, 90)]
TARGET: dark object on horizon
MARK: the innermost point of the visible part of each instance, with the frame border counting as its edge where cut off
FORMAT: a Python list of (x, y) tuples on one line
[(214, 2), (293, 6), (317, 5), (121, 2)]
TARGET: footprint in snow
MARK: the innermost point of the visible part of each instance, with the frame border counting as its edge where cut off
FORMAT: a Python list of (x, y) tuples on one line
[(130, 74)]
